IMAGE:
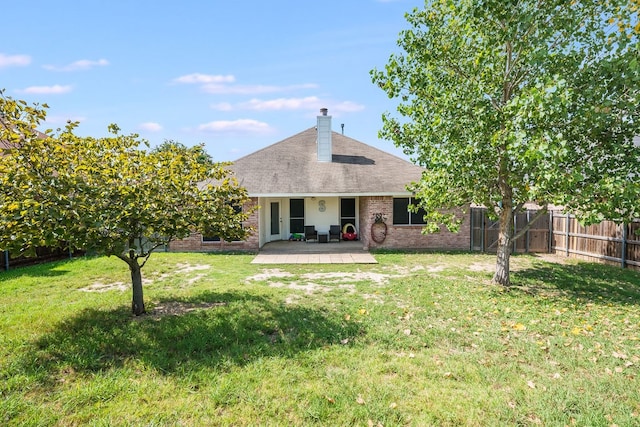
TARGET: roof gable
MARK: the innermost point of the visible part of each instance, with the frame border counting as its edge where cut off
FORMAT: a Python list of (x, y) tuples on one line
[(290, 167)]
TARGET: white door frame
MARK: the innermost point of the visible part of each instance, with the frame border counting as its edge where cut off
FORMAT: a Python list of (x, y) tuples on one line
[(275, 207)]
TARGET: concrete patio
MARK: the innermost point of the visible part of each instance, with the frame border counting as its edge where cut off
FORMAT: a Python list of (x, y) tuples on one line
[(292, 252)]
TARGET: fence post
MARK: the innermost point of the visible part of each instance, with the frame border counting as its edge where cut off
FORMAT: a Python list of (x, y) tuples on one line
[(470, 230), (550, 241), (484, 219), (515, 230), (623, 255), (526, 241), (566, 234)]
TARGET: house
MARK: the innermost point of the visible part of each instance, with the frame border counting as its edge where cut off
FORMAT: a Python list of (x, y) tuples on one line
[(322, 178)]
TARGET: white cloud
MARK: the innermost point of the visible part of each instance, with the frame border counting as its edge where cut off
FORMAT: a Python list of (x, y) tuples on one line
[(82, 64), (216, 88), (222, 106), (14, 60), (46, 90), (218, 84), (150, 127), (308, 103), (205, 78), (345, 107), (241, 126)]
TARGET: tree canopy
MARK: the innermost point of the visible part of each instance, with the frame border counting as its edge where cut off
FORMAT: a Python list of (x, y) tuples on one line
[(509, 102), (108, 195)]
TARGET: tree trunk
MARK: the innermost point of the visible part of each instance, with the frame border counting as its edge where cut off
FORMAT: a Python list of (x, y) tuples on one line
[(137, 303), (501, 276)]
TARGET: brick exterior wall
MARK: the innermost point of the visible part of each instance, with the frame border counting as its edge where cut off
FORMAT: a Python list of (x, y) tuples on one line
[(406, 236), (397, 237), (194, 242)]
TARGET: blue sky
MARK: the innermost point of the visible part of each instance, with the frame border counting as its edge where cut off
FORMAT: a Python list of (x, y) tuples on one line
[(234, 75)]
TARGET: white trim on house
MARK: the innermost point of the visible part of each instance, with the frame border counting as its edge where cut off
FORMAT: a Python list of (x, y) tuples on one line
[(305, 195), (321, 219)]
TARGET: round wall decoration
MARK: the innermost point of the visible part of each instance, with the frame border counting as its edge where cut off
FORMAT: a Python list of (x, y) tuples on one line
[(322, 206), (378, 228), (378, 231)]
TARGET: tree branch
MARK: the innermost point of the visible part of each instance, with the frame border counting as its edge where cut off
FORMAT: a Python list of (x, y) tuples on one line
[(124, 258), (527, 227), (520, 233), (148, 254)]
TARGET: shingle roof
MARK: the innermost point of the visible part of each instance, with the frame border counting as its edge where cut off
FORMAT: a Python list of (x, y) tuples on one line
[(290, 167)]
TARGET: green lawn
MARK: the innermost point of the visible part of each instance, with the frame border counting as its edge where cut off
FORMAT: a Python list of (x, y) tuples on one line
[(418, 339)]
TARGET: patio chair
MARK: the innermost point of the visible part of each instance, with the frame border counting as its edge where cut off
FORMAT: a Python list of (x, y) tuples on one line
[(334, 233), (310, 233)]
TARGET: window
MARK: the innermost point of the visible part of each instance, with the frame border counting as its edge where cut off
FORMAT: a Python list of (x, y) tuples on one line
[(347, 212), (296, 215), (213, 238), (403, 216)]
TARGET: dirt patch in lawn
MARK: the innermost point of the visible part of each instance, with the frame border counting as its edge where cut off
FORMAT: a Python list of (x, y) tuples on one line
[(105, 287), (310, 288), (187, 268), (177, 308), (518, 263), (377, 278), (402, 271), (269, 273), (324, 278), (179, 269), (483, 266), (311, 283)]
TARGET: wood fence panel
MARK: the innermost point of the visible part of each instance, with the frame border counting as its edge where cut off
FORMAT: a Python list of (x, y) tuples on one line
[(563, 234), (484, 232), (633, 244), (606, 241), (539, 240), (538, 235), (520, 220), (559, 233), (477, 229)]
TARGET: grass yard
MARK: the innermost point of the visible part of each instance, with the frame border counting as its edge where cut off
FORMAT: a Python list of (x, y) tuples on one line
[(418, 339)]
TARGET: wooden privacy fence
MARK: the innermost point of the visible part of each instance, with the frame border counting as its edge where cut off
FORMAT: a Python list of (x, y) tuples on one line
[(606, 241), (484, 232), (562, 234)]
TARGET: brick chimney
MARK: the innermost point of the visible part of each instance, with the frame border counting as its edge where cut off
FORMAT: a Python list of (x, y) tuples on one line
[(324, 136)]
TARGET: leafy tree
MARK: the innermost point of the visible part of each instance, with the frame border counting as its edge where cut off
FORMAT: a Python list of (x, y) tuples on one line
[(171, 145), (108, 195), (509, 102), (29, 211)]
